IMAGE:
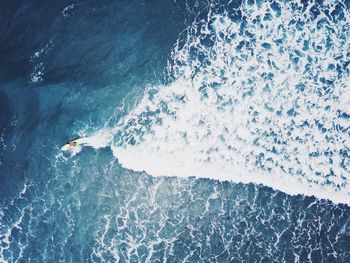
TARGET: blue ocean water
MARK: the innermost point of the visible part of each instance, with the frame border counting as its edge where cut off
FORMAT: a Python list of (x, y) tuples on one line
[(218, 131)]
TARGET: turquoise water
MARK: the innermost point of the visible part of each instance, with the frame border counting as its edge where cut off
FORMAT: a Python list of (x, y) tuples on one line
[(218, 132)]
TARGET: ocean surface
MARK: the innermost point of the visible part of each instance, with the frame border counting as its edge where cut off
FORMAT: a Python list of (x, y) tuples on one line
[(216, 131)]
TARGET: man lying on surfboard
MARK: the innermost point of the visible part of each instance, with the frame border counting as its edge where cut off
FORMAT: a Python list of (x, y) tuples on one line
[(72, 143)]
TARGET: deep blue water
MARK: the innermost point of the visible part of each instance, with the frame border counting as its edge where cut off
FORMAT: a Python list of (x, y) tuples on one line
[(70, 69)]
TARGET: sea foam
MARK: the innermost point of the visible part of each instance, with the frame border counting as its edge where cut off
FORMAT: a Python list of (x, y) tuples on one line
[(260, 94)]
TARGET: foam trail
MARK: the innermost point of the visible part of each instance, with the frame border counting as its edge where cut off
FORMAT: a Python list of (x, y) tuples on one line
[(264, 100), (99, 139)]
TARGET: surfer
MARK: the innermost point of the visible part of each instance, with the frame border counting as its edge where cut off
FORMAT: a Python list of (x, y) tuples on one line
[(72, 143)]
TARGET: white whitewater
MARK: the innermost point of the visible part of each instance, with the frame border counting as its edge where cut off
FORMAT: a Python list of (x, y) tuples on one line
[(262, 102)]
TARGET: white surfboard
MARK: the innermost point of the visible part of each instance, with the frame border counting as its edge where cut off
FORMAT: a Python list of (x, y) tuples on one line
[(66, 147)]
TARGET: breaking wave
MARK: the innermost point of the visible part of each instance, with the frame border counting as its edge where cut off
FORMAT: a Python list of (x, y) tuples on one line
[(259, 93)]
